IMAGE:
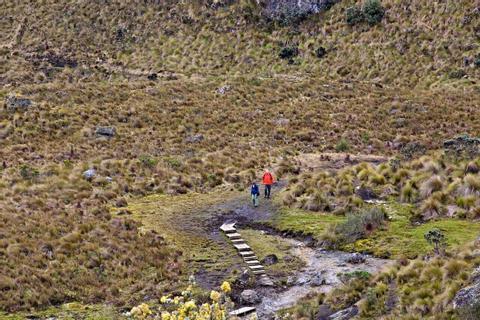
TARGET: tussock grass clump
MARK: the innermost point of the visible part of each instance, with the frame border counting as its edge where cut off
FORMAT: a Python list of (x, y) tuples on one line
[(438, 186)]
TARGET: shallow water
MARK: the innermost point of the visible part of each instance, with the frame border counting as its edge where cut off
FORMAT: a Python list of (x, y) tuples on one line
[(320, 274)]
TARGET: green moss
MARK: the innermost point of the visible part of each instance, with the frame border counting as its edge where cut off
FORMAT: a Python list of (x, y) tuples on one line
[(401, 238), (264, 245), (398, 238), (302, 221), (180, 220)]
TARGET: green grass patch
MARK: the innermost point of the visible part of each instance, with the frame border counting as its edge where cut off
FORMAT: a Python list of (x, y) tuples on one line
[(264, 245), (401, 238), (69, 311), (397, 238), (181, 221), (302, 221)]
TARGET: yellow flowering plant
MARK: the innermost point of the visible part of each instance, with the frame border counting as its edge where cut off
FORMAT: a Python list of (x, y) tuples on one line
[(184, 307)]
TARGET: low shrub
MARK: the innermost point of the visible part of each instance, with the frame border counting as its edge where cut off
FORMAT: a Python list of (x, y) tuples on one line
[(342, 145), (373, 11), (288, 52), (436, 238), (358, 226), (354, 15)]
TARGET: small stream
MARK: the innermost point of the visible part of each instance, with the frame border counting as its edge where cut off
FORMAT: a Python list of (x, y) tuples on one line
[(320, 274)]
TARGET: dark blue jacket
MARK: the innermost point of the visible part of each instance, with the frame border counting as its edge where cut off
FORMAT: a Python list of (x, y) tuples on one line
[(254, 190)]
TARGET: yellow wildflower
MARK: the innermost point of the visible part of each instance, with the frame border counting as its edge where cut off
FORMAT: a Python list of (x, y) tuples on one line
[(215, 295), (226, 287), (166, 315)]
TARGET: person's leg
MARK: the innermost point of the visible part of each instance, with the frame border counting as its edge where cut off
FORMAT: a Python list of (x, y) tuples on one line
[(255, 201), (269, 190), (266, 191)]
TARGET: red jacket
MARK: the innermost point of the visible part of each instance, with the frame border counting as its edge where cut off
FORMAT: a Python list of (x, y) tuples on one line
[(267, 178)]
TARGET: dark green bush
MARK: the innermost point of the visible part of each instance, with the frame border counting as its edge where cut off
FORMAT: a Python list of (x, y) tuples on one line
[(320, 52), (342, 145), (477, 61), (354, 15), (373, 11), (288, 52)]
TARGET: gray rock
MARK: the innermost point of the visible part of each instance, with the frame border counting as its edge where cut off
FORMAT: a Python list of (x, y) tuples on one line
[(269, 260), (318, 280), (250, 297), (344, 314), (365, 193), (295, 9), (468, 296), (355, 258), (282, 121), (89, 174), (106, 131), (324, 311), (224, 89), (195, 138), (13, 103)]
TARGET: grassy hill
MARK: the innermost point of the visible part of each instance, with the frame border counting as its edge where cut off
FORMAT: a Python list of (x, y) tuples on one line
[(199, 96)]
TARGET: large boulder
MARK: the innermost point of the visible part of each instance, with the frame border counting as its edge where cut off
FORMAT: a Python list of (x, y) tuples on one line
[(14, 103), (469, 296), (345, 314), (106, 131), (355, 258), (289, 10), (269, 260), (250, 297)]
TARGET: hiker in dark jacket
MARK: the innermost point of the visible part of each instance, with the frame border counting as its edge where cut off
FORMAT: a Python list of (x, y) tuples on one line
[(255, 192)]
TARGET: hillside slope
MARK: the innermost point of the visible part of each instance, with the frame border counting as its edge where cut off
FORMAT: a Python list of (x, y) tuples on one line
[(418, 43), (167, 97)]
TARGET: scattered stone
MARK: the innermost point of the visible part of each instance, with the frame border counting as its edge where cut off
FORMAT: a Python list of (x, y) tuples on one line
[(318, 280), (106, 131), (14, 103), (282, 121), (309, 241), (270, 260), (324, 311), (266, 281), (224, 89), (344, 314), (288, 258), (195, 138), (250, 297), (89, 174), (365, 193), (355, 258)]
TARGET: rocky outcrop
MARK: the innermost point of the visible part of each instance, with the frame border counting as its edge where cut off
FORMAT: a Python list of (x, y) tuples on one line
[(106, 132), (14, 103), (345, 314), (295, 9), (469, 296), (250, 297)]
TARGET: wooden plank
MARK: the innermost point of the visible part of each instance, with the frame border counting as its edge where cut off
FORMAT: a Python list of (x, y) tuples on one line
[(242, 247), (242, 312)]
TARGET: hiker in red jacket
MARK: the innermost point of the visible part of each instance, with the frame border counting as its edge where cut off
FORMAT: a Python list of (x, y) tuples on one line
[(267, 181)]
